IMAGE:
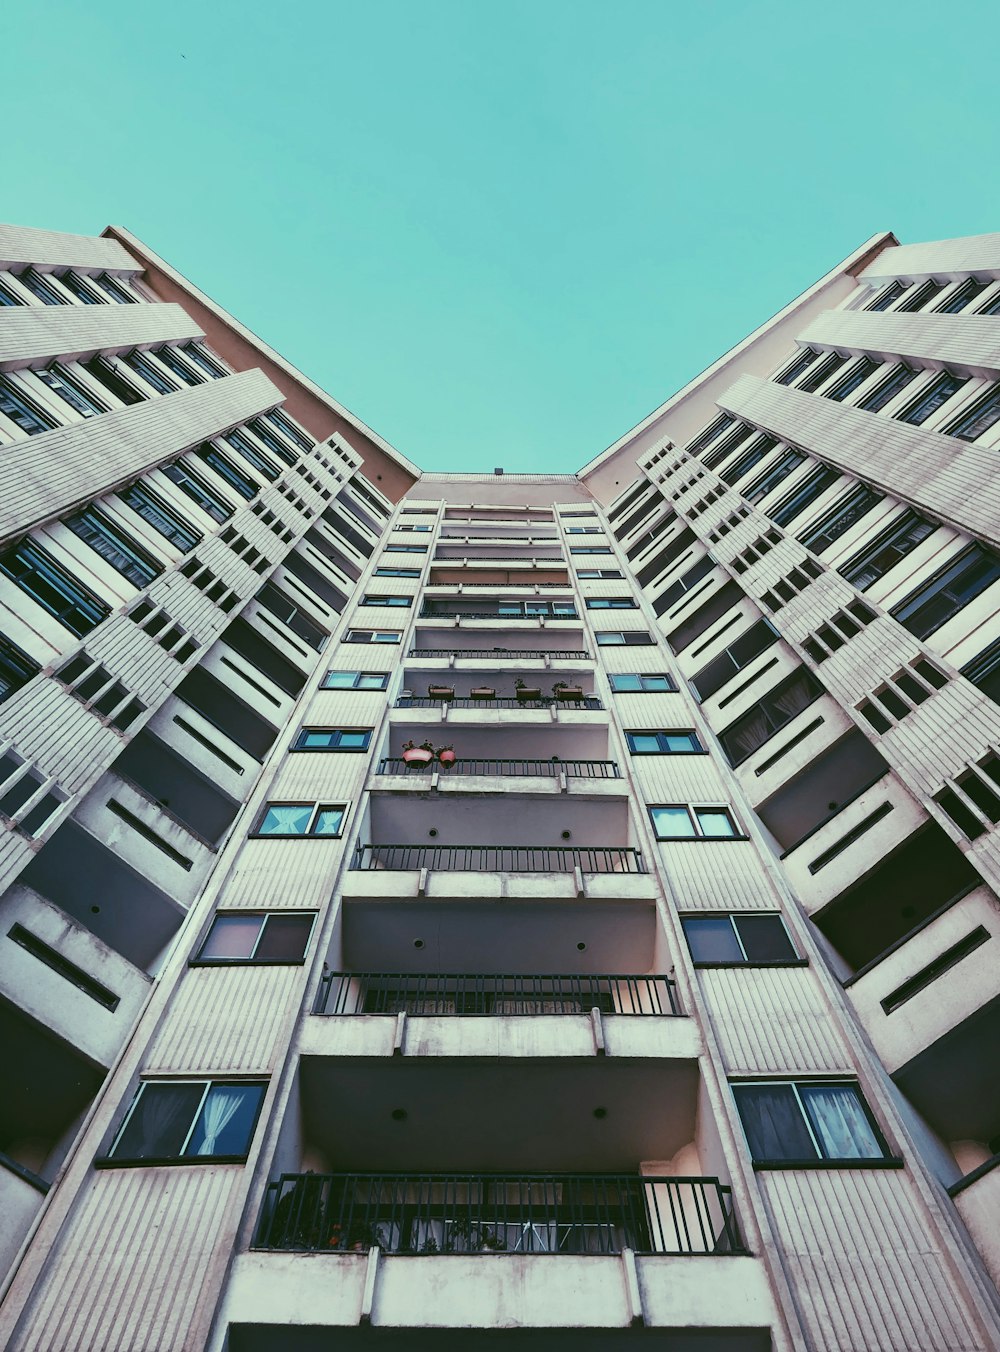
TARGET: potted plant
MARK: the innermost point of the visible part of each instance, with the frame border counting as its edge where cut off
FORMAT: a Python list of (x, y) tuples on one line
[(446, 755), (482, 692), (418, 755), (442, 692), (525, 692), (566, 693)]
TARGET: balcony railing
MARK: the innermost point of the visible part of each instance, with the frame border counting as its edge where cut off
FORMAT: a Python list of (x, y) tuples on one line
[(502, 702), (500, 858), (495, 995), (504, 654), (575, 769), (497, 586), (499, 1213), (493, 615)]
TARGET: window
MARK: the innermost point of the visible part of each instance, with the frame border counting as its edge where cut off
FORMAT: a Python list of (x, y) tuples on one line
[(149, 371), (680, 822), (81, 289), (189, 1119), (846, 512), (728, 444), (803, 1122), (921, 296), (527, 609), (16, 668), (671, 743), (21, 411), (882, 394), (151, 507), (272, 441), (115, 290), (44, 290), (937, 393), (638, 683), (265, 467), (36, 572), (815, 483), (886, 550), (407, 549), (115, 546), (581, 530), (372, 636), (284, 424), (173, 361), (856, 376), (198, 491), (71, 391), (8, 298), (770, 479), (978, 419), (752, 456), (586, 549), (983, 671), (778, 707), (795, 367), (274, 937), (708, 434), (822, 372), (616, 638), (593, 574), (333, 739), (197, 353), (726, 940), (885, 298), (108, 376), (738, 655), (611, 603), (226, 470), (396, 572), (962, 296), (301, 819), (272, 598), (943, 595), (378, 599), (356, 680)]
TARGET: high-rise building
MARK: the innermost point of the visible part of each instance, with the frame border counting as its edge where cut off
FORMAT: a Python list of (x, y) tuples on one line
[(499, 911)]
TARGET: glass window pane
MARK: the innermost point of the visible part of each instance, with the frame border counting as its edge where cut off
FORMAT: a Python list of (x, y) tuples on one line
[(286, 819), (680, 741), (672, 822), (623, 684), (231, 936), (340, 680), (226, 1120), (316, 739), (285, 938), (353, 741), (373, 681), (160, 1121), (715, 821), (328, 821), (764, 938), (773, 1122), (711, 938), (840, 1122), (643, 742)]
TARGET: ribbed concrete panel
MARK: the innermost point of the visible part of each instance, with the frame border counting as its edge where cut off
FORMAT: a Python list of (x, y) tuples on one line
[(712, 876), (20, 245), (679, 779), (952, 480), (324, 776), (938, 258), (866, 1271), (47, 475), (52, 729), (970, 342), (31, 335), (773, 1020), (139, 1239), (15, 854), (225, 1019), (345, 708), (273, 874)]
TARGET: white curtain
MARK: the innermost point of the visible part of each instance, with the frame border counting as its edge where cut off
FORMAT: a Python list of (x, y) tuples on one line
[(793, 700), (223, 1102), (840, 1122)]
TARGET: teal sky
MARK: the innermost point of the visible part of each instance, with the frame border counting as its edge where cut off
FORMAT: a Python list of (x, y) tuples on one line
[(502, 233)]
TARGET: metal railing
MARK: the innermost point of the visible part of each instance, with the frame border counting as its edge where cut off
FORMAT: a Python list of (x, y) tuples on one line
[(499, 1213), (500, 858), (501, 702), (494, 995), (503, 654), (491, 615), (497, 586), (482, 765)]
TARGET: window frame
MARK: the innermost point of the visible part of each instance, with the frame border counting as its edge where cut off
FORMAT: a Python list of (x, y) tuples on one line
[(669, 689), (26, 408), (896, 380), (199, 492), (663, 747), (111, 1160), (306, 730), (386, 601), (885, 1160), (57, 379), (611, 603), (734, 917), (141, 568), (309, 833), (250, 960), (183, 536), (862, 559), (929, 396), (359, 676), (623, 638), (692, 810), (389, 636), (29, 552), (934, 586)]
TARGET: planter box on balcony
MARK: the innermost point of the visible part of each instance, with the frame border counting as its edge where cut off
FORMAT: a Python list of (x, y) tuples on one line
[(442, 692), (524, 696), (482, 692), (570, 693), (418, 756)]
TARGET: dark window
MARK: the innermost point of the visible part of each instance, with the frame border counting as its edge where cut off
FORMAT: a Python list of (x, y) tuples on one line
[(107, 376), (897, 380), (714, 429), (272, 441), (681, 822), (752, 456), (821, 372), (962, 296), (596, 574), (301, 819), (795, 367), (718, 940), (173, 361), (611, 603), (726, 447), (396, 572), (16, 668), (150, 373), (885, 298), (356, 680), (886, 550), (285, 425), (616, 638), (333, 739), (297, 620), (272, 938), (778, 707), (81, 290), (189, 1119), (637, 683), (684, 583), (738, 655), (198, 491), (632, 495), (41, 288), (252, 456), (380, 599), (719, 604), (815, 483), (574, 549), (8, 298), (151, 507), (115, 546), (226, 470), (36, 572), (984, 671), (978, 419), (118, 293), (856, 376), (372, 636), (770, 479), (197, 354), (676, 742), (21, 411), (845, 513), (71, 391), (921, 296), (411, 549), (805, 1121), (942, 596), (928, 403)]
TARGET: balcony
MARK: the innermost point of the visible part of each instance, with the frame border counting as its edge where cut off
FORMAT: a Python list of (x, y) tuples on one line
[(21, 1195), (977, 1200), (499, 1214), (441, 993), (492, 768), (500, 858), (482, 649), (544, 702), (540, 613)]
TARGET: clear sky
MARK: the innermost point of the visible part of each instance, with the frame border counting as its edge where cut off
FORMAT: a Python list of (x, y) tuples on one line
[(501, 233)]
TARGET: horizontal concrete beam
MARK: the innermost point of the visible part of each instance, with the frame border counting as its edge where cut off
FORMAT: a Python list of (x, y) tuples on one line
[(21, 246), (975, 255), (966, 343), (35, 334)]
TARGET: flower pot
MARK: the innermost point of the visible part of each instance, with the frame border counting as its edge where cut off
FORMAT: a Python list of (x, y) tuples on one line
[(524, 695), (442, 692), (570, 692), (482, 692), (418, 756), (447, 758)]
